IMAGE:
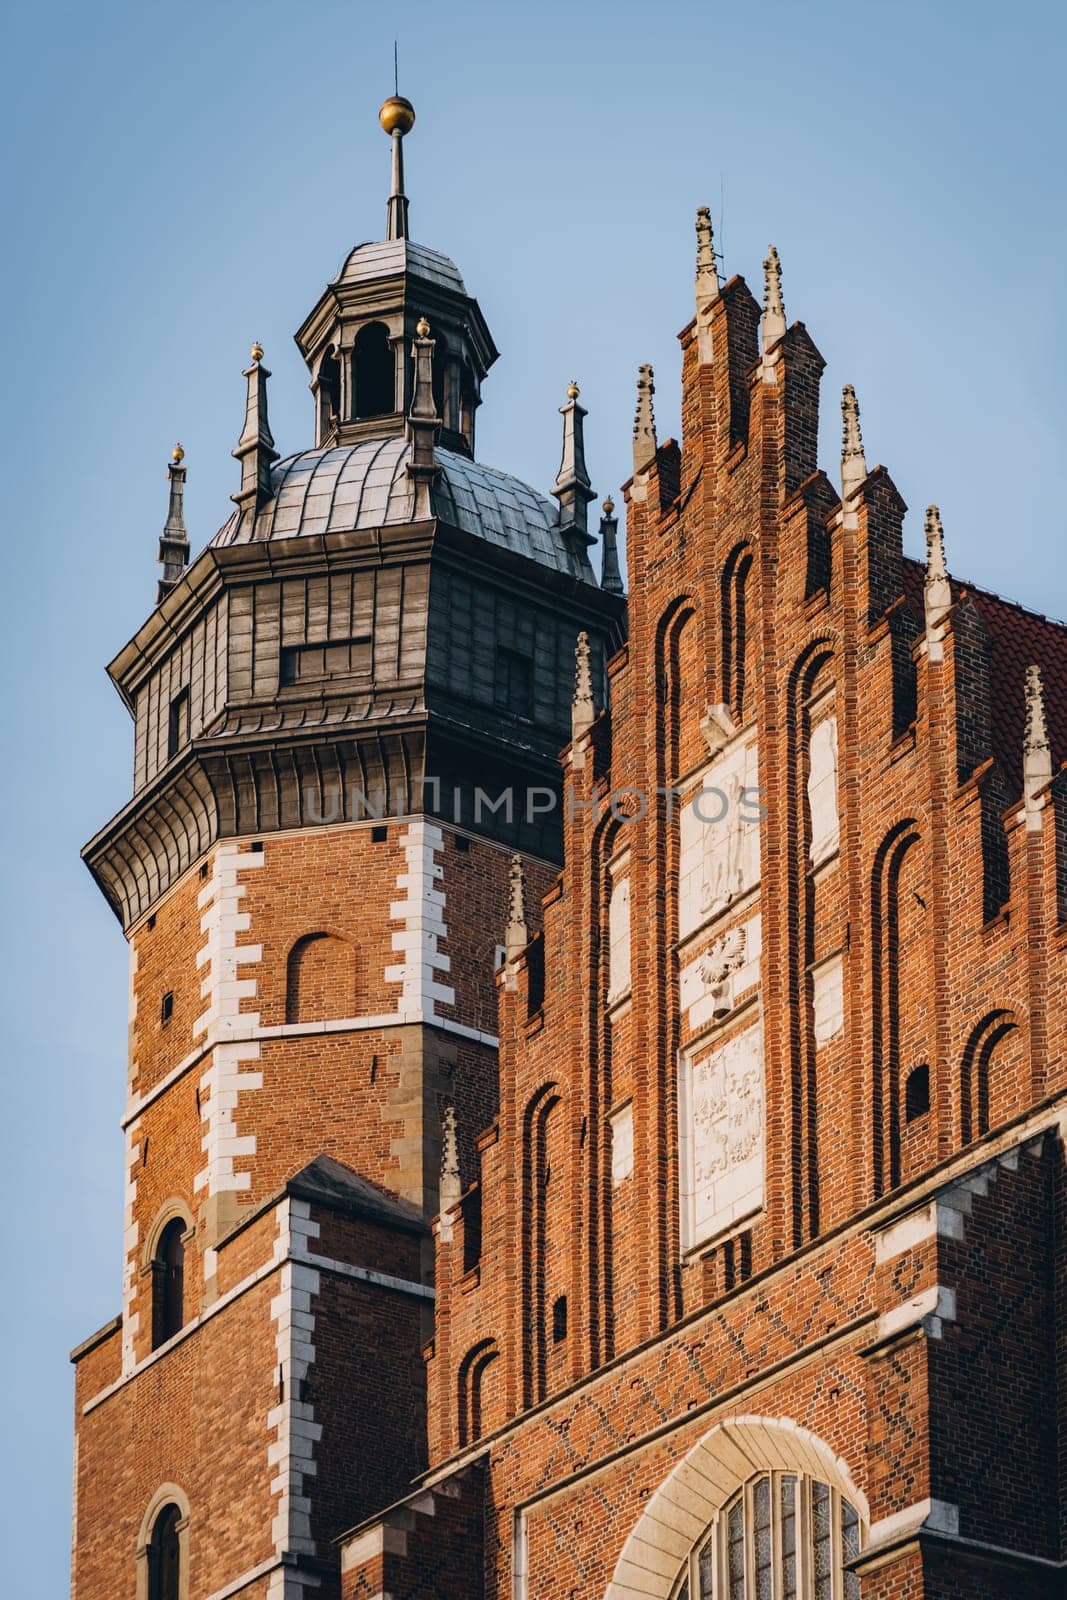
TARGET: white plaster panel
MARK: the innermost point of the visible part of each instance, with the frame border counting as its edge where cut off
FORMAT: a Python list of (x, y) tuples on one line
[(622, 1144), (822, 790), (619, 938), (828, 1001)]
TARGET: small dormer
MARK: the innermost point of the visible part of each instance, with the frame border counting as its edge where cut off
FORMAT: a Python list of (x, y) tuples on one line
[(357, 340)]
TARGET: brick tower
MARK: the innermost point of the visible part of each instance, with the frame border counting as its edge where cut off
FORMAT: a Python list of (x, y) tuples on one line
[(347, 715)]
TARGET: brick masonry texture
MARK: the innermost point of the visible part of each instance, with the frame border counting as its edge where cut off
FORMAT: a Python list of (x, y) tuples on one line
[(759, 1140)]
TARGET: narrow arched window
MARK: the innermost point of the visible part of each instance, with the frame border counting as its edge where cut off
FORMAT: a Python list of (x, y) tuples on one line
[(164, 1556), (168, 1283), (373, 373), (782, 1535)]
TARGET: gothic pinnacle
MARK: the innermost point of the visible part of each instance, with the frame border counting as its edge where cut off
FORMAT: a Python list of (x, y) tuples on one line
[(583, 710), (255, 448), (937, 591), (610, 575), (707, 277), (572, 488), (517, 933), (423, 424), (450, 1181), (773, 321), (853, 461), (644, 420), (174, 541), (1037, 753)]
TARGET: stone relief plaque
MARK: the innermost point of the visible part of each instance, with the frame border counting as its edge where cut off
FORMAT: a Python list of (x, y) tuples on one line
[(722, 1135), (719, 838)]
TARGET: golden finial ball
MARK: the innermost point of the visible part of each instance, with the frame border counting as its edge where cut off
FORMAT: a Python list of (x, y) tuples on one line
[(257, 351), (177, 455), (422, 328), (397, 114), (573, 390), (609, 506)]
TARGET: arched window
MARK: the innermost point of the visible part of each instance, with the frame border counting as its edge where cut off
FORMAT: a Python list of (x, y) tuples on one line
[(168, 1283), (783, 1535), (328, 391), (373, 373), (164, 1556)]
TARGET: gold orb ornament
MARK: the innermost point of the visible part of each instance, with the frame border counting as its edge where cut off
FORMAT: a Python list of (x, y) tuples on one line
[(397, 114), (177, 455), (257, 351), (573, 390), (609, 506), (422, 328)]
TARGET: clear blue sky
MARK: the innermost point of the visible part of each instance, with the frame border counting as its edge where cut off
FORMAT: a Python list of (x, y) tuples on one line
[(182, 179)]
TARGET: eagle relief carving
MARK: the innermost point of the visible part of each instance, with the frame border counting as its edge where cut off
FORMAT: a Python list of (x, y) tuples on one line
[(719, 968)]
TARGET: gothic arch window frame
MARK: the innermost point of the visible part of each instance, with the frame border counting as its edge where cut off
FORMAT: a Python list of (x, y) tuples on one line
[(535, 1181), (733, 625), (706, 1479), (173, 1210), (472, 1370), (812, 701), (886, 1066), (168, 1494), (769, 1533), (978, 1052)]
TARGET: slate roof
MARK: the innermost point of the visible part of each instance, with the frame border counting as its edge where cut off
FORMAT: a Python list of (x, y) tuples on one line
[(366, 485), (386, 258), (328, 1182), (1018, 639)]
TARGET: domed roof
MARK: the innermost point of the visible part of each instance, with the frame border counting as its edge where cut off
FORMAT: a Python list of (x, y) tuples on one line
[(366, 485), (388, 257)]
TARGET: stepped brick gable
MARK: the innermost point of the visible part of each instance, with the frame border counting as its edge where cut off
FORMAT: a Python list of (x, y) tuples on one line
[(598, 1059)]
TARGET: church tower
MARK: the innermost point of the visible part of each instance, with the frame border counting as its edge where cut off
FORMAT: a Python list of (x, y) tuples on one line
[(347, 713)]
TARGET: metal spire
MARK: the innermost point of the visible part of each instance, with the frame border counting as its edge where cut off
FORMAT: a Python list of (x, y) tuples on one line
[(572, 488), (255, 448), (1037, 752), (610, 575), (517, 933), (853, 461), (583, 710), (707, 279), (174, 541), (773, 321), (937, 591), (397, 117), (644, 420)]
